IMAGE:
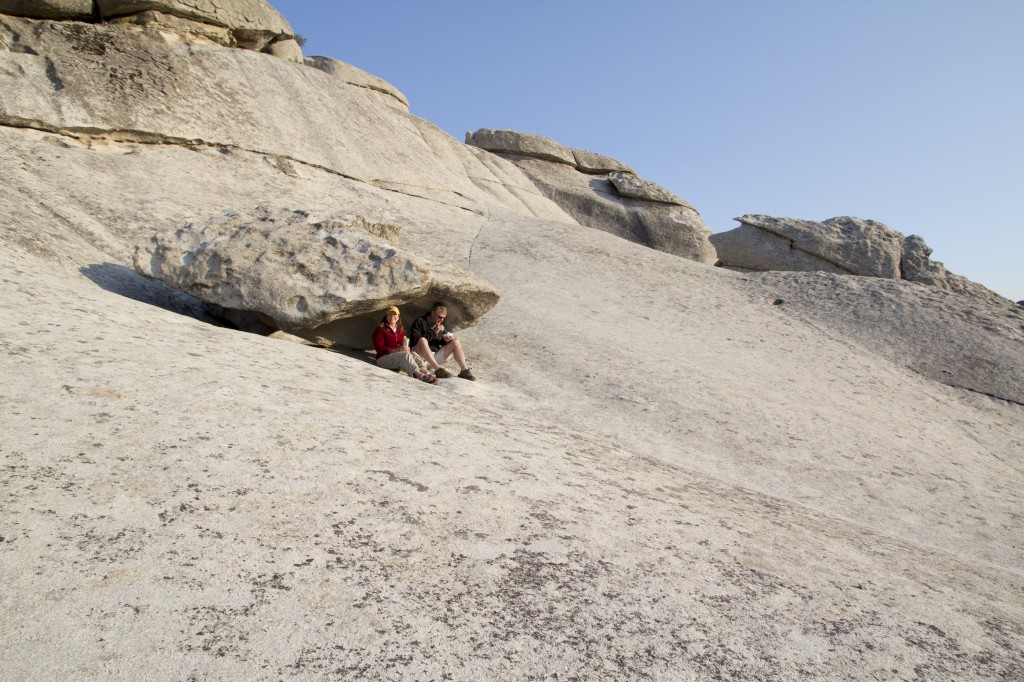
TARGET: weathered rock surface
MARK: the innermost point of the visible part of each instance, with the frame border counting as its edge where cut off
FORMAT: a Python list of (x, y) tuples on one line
[(308, 274), (600, 192), (179, 27), (842, 245), (253, 24), (48, 9), (249, 24), (777, 499), (356, 76)]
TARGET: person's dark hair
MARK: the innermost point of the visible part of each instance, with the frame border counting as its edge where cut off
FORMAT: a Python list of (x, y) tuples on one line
[(438, 307)]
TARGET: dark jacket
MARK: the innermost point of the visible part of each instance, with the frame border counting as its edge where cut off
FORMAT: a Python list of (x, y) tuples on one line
[(421, 329)]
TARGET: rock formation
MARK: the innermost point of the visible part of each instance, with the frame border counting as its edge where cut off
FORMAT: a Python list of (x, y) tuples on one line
[(842, 245), (248, 24), (602, 193), (77, 10), (789, 493), (328, 278), (79, 89)]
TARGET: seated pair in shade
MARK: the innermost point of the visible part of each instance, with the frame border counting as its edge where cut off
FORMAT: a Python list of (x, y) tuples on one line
[(427, 346)]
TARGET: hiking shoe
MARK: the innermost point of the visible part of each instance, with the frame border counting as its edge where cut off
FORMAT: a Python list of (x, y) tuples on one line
[(427, 377), (467, 374), (442, 373)]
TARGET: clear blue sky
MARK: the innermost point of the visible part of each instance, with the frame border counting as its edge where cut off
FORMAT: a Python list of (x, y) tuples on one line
[(910, 112)]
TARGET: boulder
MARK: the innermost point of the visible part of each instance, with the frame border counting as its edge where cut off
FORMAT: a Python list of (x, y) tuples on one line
[(352, 75), (323, 277), (48, 9), (851, 245), (521, 144)]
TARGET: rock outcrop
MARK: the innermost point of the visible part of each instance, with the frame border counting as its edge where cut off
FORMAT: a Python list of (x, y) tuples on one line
[(314, 276), (778, 498), (76, 10), (99, 81), (851, 245), (603, 193), (352, 75), (841, 245), (248, 24)]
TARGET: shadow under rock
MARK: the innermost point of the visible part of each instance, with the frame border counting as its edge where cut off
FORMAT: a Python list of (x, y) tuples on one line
[(124, 281)]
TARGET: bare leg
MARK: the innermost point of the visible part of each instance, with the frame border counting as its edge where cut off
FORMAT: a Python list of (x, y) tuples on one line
[(422, 349), (454, 349)]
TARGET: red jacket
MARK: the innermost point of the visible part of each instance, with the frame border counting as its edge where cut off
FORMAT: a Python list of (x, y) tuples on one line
[(386, 341)]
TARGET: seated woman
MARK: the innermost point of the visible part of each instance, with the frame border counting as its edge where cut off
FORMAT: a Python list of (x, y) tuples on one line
[(393, 350)]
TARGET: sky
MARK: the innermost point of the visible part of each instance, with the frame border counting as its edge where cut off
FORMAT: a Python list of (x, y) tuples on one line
[(909, 112)]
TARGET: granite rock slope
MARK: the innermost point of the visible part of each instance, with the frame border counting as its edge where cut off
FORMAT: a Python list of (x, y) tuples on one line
[(774, 498)]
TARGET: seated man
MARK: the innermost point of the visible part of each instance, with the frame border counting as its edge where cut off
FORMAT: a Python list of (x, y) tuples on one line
[(432, 342), (393, 349)]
